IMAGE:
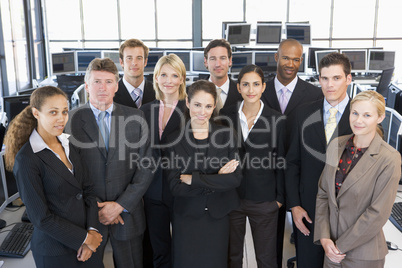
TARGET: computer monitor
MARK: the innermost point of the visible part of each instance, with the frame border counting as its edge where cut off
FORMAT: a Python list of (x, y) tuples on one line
[(84, 57), (184, 55), (379, 60), (394, 127), (238, 34), (311, 56), (268, 33), (8, 187), (198, 66), (239, 60), (357, 58), (299, 31), (302, 67), (64, 63), (385, 80), (153, 57), (266, 60), (321, 54), (114, 55), (79, 97), (13, 105)]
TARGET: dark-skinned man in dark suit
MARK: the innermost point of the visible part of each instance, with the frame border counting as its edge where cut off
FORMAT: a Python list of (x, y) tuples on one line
[(289, 57)]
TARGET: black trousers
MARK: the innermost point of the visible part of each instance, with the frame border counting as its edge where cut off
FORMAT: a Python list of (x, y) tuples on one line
[(308, 254), (263, 218), (159, 216)]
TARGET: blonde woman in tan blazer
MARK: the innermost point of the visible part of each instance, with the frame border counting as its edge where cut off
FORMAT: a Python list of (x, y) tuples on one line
[(357, 189)]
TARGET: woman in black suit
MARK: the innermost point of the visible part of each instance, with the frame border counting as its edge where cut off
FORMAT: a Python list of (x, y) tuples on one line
[(164, 115), (53, 184), (203, 180), (261, 131)]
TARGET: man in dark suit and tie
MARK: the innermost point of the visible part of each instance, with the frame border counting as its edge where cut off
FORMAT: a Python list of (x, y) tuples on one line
[(284, 94), (218, 59), (113, 139), (134, 90), (315, 125)]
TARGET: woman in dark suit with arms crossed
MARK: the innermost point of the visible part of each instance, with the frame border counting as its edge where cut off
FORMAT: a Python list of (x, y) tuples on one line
[(164, 116), (357, 189), (261, 131), (203, 182), (53, 184)]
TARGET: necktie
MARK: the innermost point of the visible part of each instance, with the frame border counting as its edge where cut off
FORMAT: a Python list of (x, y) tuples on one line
[(136, 95), (283, 99), (103, 128), (219, 103), (331, 123)]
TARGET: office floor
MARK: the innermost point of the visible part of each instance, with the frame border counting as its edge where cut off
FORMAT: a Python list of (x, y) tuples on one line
[(249, 257)]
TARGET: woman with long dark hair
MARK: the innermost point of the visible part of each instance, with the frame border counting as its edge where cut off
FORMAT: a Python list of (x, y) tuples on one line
[(52, 183)]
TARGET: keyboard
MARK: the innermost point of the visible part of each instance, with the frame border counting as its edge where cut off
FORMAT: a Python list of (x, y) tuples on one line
[(396, 215), (18, 241)]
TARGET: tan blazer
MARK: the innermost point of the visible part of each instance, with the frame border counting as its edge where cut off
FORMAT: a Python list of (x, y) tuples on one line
[(354, 219)]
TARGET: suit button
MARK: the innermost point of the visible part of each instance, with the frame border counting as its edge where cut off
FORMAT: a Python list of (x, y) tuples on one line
[(78, 196)]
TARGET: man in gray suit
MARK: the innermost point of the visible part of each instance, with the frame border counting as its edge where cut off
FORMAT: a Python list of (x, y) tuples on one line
[(113, 139)]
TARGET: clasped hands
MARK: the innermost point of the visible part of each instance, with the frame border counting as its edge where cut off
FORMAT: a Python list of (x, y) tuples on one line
[(229, 167), (331, 250), (89, 246)]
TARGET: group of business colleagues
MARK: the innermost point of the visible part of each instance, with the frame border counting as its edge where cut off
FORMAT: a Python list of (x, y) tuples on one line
[(91, 187)]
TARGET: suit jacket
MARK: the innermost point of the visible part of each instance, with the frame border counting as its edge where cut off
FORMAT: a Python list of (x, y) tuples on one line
[(264, 181), (61, 205), (233, 94), (118, 174), (304, 92), (354, 219), (306, 156), (123, 97), (159, 189), (216, 192)]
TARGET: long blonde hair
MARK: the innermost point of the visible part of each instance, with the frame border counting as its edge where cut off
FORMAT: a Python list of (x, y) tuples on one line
[(21, 127)]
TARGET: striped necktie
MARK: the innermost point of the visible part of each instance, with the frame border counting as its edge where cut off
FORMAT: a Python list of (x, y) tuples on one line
[(331, 124)]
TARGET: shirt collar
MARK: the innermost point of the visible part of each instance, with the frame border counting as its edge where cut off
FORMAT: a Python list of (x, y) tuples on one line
[(224, 87), (340, 106), (243, 117), (130, 87), (97, 111), (291, 86), (38, 144)]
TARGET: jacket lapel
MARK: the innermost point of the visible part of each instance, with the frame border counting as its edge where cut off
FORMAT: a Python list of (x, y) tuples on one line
[(177, 119), (270, 96), (297, 96), (124, 95), (50, 159), (333, 161), (368, 159)]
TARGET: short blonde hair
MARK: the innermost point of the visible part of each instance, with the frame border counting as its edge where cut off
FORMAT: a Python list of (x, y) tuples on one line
[(374, 97), (177, 64)]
